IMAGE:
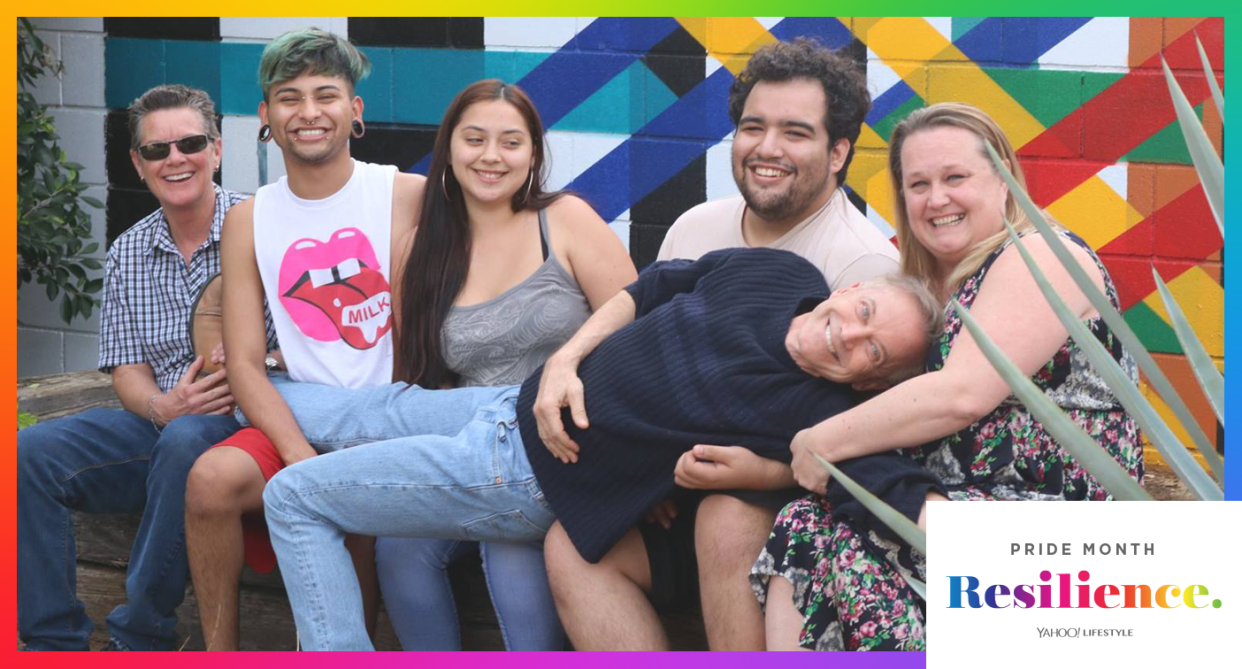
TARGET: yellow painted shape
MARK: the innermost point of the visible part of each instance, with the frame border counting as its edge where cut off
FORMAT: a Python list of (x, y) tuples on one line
[(729, 40), (868, 138), (1203, 302), (906, 44), (1095, 212), (869, 178)]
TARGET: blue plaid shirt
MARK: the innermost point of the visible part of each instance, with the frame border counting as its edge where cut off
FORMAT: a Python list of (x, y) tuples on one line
[(149, 293)]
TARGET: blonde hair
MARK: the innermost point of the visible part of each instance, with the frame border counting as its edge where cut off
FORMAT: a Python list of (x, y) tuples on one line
[(916, 260)]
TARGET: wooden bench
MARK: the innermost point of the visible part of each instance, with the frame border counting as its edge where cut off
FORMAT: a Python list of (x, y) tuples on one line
[(104, 542)]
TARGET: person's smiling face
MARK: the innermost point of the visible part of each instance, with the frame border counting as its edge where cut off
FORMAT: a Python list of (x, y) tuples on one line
[(954, 198), (179, 180), (860, 335), (491, 152), (781, 158), (311, 116)]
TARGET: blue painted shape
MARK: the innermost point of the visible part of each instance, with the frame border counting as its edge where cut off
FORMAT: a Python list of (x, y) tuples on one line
[(829, 31), (376, 89), (963, 25), (131, 67), (239, 78), (657, 95), (568, 77), (981, 43), (889, 100), (635, 35), (195, 64), (1026, 39), (617, 107), (611, 186), (426, 80), (701, 113)]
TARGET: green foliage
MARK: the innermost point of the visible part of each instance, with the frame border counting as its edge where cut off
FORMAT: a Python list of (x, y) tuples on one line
[(24, 420), (52, 226)]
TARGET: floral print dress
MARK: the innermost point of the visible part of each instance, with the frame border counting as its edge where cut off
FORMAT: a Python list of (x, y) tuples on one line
[(850, 584)]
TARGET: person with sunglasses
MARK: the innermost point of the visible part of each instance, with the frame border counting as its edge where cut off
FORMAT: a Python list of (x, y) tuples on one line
[(136, 458)]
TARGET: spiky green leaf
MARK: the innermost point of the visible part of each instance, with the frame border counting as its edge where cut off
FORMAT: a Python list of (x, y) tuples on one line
[(1211, 380), (1179, 459), (1209, 166), (1121, 330), (1217, 96), (1067, 433), (894, 519)]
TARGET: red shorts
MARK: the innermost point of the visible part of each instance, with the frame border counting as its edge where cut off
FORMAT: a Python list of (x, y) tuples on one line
[(259, 554)]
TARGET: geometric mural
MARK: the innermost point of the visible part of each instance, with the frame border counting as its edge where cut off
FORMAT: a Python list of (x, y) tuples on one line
[(635, 109)]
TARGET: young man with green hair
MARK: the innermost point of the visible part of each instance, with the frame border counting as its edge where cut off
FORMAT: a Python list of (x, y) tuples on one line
[(319, 245)]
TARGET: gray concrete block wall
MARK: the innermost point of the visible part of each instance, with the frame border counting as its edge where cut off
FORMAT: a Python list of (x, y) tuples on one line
[(45, 344)]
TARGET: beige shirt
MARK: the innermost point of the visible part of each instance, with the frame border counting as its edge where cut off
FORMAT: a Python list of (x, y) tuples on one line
[(837, 239)]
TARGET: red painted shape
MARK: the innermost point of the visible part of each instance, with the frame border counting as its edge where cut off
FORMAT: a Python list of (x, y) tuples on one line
[(1119, 118), (1132, 276), (1182, 53), (1048, 180), (1185, 228)]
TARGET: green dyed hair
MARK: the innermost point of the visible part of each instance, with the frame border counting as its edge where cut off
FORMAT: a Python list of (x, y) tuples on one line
[(311, 51)]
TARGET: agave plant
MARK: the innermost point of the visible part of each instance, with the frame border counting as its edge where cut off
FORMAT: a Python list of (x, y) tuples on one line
[(1093, 457)]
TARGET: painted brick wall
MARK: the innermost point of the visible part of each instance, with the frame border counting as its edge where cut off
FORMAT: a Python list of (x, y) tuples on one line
[(637, 123)]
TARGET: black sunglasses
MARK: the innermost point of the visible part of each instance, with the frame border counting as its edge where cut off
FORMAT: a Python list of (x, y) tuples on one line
[(186, 145)]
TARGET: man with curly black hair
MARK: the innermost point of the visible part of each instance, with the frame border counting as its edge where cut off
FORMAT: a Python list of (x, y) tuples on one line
[(798, 109)]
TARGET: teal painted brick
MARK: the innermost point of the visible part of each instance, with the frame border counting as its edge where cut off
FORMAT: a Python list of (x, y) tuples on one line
[(376, 90), (239, 78), (195, 64), (511, 66), (617, 107), (425, 81), (131, 66), (963, 25), (658, 96)]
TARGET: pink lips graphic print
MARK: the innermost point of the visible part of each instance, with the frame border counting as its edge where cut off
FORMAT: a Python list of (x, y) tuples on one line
[(335, 290)]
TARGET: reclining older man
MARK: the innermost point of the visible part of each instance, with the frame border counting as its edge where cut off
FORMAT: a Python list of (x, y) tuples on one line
[(739, 347)]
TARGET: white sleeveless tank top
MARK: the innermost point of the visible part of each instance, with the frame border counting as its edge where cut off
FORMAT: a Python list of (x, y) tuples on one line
[(324, 265)]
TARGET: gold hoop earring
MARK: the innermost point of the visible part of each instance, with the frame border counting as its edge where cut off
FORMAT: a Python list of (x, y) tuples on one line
[(530, 183), (444, 184)]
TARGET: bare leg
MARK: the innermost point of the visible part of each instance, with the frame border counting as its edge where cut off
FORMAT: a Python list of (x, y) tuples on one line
[(783, 620), (224, 484), (604, 606), (362, 551), (729, 534)]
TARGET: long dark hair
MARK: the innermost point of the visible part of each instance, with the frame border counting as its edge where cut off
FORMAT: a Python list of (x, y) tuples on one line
[(438, 262)]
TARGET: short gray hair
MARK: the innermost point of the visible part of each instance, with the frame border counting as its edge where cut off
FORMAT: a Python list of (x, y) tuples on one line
[(172, 96), (930, 306)]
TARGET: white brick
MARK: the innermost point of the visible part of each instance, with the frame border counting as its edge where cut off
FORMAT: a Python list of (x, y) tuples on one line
[(719, 170), (82, 138), (241, 155), (39, 352), (83, 83), (560, 154), (590, 147), (81, 352), (269, 28), (1102, 42), (526, 31), (80, 24)]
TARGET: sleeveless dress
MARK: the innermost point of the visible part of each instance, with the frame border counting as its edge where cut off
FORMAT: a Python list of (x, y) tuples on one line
[(849, 585)]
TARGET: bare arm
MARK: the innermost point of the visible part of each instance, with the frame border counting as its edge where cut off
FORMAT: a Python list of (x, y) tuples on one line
[(1014, 314), (246, 341), (593, 253)]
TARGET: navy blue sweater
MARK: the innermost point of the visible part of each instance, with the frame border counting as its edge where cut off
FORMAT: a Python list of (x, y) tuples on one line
[(704, 362)]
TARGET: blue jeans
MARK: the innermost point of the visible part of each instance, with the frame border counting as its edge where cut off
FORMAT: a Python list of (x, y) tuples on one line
[(420, 601), (105, 461), (465, 477)]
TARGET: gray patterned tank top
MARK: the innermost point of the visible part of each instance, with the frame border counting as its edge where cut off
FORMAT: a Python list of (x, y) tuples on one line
[(504, 340)]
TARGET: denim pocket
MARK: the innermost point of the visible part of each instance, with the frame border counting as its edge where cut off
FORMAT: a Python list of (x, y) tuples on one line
[(505, 526)]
